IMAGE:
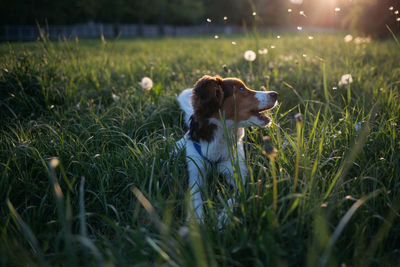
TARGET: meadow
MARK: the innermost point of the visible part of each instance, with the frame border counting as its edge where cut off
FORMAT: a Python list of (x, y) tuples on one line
[(87, 176)]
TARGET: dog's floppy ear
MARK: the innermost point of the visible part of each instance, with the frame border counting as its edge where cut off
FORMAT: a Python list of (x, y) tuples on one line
[(207, 96)]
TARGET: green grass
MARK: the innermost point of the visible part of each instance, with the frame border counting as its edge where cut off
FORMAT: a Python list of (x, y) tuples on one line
[(118, 197)]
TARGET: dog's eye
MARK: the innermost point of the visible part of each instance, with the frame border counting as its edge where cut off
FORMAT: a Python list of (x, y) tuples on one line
[(241, 89)]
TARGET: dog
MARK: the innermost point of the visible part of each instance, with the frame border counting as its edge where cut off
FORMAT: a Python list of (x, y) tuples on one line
[(213, 108)]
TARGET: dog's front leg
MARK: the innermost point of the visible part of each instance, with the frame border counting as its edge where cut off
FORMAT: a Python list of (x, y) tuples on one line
[(195, 185)]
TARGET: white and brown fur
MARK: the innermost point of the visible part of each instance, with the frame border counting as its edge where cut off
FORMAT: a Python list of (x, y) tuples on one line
[(211, 99)]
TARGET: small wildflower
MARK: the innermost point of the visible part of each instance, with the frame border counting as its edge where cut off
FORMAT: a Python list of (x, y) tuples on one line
[(54, 162), (334, 88), (337, 9), (115, 97), (310, 37), (304, 55), (272, 46), (263, 51), (254, 13), (233, 43), (357, 127), (289, 10), (216, 36), (396, 12), (302, 13), (299, 28), (348, 38), (225, 18), (249, 55), (278, 37), (146, 83), (209, 20), (391, 8)]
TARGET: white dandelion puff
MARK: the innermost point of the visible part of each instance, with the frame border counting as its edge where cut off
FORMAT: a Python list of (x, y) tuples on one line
[(249, 55), (304, 55), (273, 47), (334, 88), (216, 36), (146, 83), (299, 28), (337, 9), (310, 37), (278, 37), (263, 51), (233, 43), (348, 38), (346, 79)]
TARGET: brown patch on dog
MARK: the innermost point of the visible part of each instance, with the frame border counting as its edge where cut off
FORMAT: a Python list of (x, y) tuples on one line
[(212, 94), (207, 99), (242, 103)]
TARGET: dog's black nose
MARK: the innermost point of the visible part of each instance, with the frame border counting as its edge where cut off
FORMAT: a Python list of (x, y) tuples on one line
[(273, 95)]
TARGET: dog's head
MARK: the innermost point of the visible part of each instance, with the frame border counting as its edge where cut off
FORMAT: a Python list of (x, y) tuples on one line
[(235, 101)]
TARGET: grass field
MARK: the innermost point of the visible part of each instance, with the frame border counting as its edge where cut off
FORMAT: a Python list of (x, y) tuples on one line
[(78, 134)]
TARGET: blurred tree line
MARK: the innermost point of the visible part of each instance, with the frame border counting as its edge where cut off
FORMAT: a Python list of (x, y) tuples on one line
[(366, 16)]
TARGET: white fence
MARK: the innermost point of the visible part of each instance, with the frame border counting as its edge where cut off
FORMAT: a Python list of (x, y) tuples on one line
[(95, 30)]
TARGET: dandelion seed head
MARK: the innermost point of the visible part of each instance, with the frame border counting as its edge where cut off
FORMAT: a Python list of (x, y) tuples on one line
[(310, 37), (299, 28), (263, 51), (273, 46), (348, 38), (278, 37), (345, 79), (146, 83), (337, 9), (216, 36), (54, 162), (304, 55), (233, 43), (249, 55)]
